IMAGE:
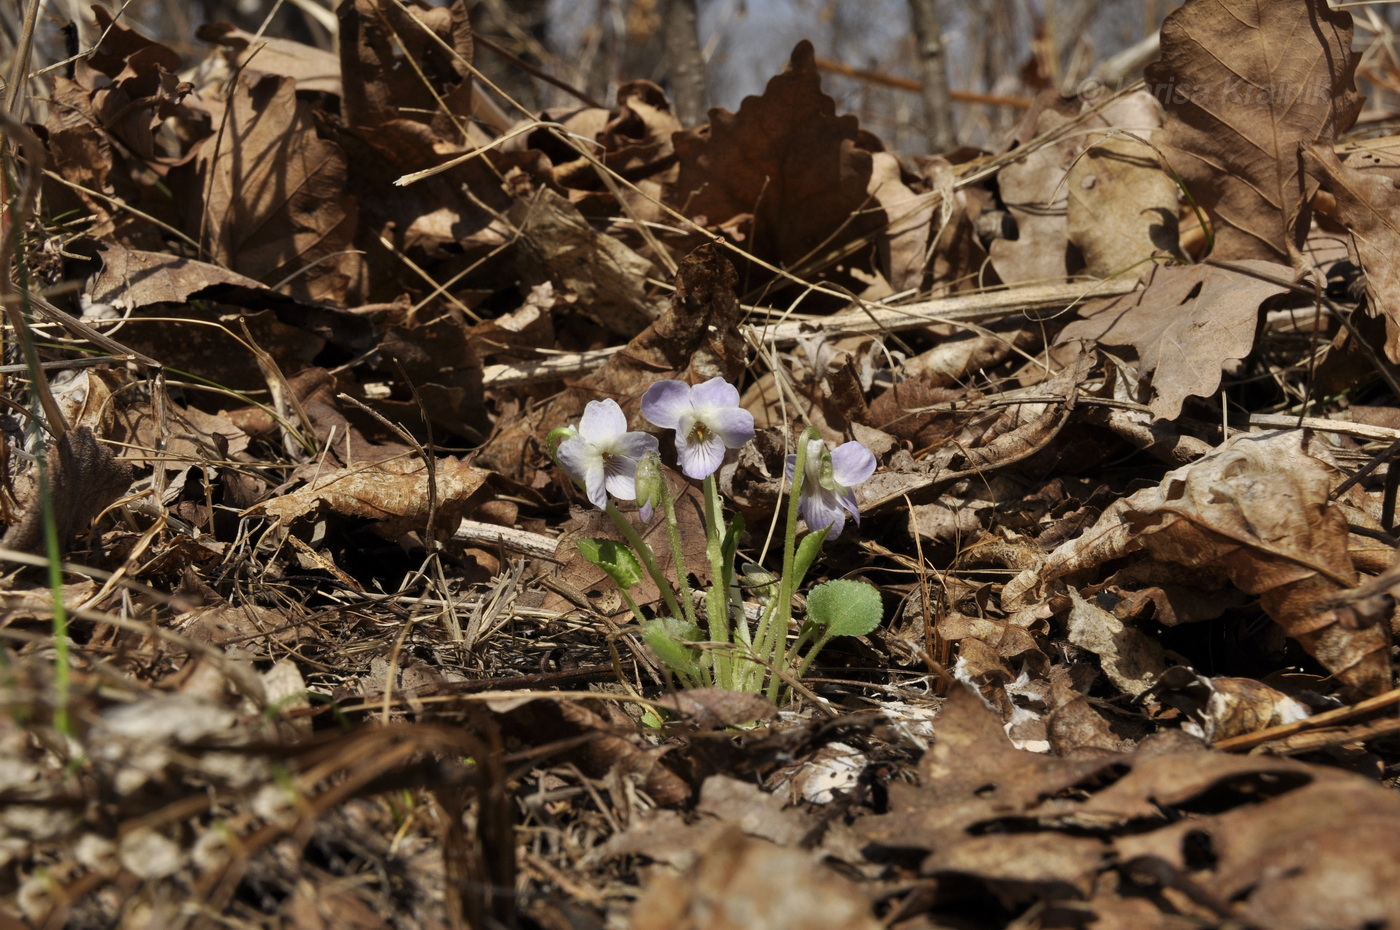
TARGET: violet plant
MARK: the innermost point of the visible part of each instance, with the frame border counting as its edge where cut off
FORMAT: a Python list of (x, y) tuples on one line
[(730, 651)]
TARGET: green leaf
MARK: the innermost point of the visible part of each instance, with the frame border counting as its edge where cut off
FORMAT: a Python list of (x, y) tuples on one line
[(670, 639), (807, 554), (613, 558), (845, 607)]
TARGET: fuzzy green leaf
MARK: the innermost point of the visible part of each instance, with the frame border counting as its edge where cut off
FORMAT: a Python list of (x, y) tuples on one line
[(845, 607), (613, 558)]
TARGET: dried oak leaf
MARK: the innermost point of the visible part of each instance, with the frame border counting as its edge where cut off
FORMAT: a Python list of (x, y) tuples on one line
[(635, 137), (1122, 205), (314, 69), (740, 882), (1272, 842), (787, 160), (406, 62), (1368, 203), (1033, 189), (557, 245), (266, 196), (1244, 85), (1185, 325), (84, 477), (1258, 508), (392, 494)]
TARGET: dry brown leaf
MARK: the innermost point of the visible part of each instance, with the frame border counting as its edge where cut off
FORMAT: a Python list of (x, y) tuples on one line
[(1186, 324), (787, 159), (988, 441), (903, 244), (1369, 205), (392, 494), (557, 245), (380, 86), (1257, 508), (1269, 841), (1122, 205), (1033, 189), (84, 477), (741, 883), (1130, 659), (635, 137), (267, 196), (132, 279), (314, 69), (1244, 85)]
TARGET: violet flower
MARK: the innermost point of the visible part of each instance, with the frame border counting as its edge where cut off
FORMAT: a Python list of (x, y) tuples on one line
[(602, 455), (826, 495), (707, 419)]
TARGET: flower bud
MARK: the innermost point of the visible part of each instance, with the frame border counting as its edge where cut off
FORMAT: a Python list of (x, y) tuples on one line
[(650, 483), (761, 582)]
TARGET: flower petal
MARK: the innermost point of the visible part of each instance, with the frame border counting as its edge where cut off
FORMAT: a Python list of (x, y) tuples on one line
[(820, 509), (665, 401), (852, 464), (733, 424), (699, 459), (584, 463), (603, 421), (621, 482), (634, 446), (716, 392)]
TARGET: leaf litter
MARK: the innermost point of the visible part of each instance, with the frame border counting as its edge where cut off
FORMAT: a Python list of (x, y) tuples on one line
[(320, 648)]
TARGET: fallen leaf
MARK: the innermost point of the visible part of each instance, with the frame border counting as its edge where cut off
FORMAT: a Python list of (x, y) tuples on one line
[(1368, 204), (392, 494), (84, 477), (740, 883), (1122, 205), (1186, 324), (1258, 508), (788, 160), (558, 246), (1244, 85), (266, 196), (313, 69)]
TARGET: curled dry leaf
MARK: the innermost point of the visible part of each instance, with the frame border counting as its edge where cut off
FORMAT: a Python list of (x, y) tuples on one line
[(393, 494), (1186, 324), (1257, 508), (1244, 84), (557, 245), (1369, 205), (1122, 205)]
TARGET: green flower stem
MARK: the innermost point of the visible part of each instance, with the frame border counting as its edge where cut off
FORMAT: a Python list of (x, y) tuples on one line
[(648, 559), (673, 532), (717, 598), (753, 677), (811, 655), (771, 642)]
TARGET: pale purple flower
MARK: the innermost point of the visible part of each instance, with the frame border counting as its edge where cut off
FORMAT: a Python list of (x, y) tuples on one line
[(826, 495), (602, 455), (707, 419)]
